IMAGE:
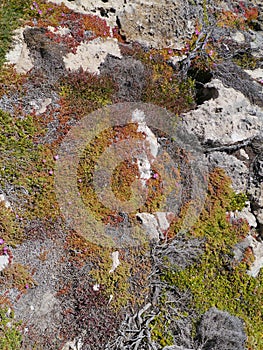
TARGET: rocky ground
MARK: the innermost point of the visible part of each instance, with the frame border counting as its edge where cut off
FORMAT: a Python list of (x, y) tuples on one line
[(180, 84)]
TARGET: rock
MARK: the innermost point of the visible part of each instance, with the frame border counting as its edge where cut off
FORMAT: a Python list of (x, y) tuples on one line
[(234, 76), (258, 167), (75, 344), (5, 201), (92, 54), (240, 249), (244, 154), (255, 189), (96, 287), (158, 24), (218, 330), (4, 261), (46, 54), (19, 55), (234, 168), (107, 9), (115, 261), (41, 105), (246, 214), (149, 148), (150, 225), (257, 248), (256, 74), (155, 224), (154, 23), (256, 43), (239, 37), (228, 119)]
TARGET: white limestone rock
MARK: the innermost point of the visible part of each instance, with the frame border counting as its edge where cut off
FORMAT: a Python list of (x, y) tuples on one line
[(225, 120), (4, 261), (6, 203), (234, 168), (257, 248), (115, 261), (90, 55), (246, 214), (19, 54)]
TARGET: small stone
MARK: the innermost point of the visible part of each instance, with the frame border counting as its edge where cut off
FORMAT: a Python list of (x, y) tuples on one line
[(115, 261), (4, 261), (238, 37)]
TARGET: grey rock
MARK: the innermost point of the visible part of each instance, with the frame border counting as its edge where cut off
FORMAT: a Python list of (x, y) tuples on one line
[(159, 24), (234, 168), (47, 56), (257, 248), (228, 119), (246, 214)]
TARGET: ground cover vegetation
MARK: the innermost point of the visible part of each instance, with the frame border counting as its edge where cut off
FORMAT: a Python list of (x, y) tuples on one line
[(28, 153)]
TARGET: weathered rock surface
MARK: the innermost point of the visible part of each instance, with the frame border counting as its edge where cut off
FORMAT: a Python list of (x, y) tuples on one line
[(4, 261), (92, 54), (158, 24), (228, 119), (108, 9), (19, 55), (153, 23), (234, 168)]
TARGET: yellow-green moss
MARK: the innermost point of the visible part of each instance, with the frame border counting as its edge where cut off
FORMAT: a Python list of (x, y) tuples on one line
[(216, 279), (10, 335), (10, 229)]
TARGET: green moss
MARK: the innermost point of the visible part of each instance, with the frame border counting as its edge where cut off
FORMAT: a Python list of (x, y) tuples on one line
[(160, 332), (10, 229), (217, 280), (26, 166), (164, 86), (17, 149), (246, 61), (10, 335), (238, 201), (115, 284), (82, 93)]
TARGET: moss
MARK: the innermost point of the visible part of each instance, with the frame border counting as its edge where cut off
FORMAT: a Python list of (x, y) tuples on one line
[(238, 201), (241, 18), (115, 284), (160, 332), (10, 228), (246, 61), (127, 284), (27, 166), (10, 81), (122, 178), (17, 149), (10, 335), (216, 279), (165, 87), (17, 276)]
